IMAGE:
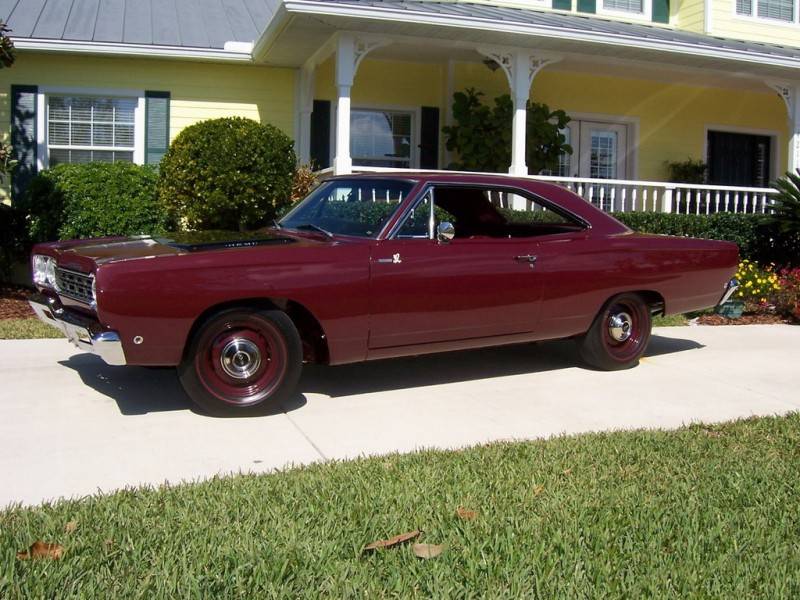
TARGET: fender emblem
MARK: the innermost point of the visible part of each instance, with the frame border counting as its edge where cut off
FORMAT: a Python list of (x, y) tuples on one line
[(396, 259)]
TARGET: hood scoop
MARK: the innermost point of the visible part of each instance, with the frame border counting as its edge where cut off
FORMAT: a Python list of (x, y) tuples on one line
[(212, 240)]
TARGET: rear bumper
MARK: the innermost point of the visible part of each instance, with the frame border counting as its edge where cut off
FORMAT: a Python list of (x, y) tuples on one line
[(730, 288), (85, 333)]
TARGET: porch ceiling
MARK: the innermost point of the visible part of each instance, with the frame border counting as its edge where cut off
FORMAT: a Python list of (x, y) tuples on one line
[(440, 30)]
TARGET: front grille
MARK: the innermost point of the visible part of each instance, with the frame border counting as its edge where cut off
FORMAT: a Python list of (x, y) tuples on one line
[(72, 284)]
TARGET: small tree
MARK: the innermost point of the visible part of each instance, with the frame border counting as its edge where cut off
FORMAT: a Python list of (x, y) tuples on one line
[(482, 134), (230, 173)]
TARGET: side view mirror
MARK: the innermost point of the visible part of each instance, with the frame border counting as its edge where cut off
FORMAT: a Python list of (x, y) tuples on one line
[(445, 232)]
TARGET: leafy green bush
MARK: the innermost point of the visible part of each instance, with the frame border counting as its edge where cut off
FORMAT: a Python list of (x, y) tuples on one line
[(687, 171), (758, 239), (230, 173), (13, 239), (93, 200)]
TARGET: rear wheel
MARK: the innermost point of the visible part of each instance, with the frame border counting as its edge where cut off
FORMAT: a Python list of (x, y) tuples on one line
[(619, 335), (242, 362)]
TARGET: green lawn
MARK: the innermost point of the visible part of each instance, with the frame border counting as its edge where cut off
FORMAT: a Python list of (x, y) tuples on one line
[(670, 321), (701, 512), (24, 329)]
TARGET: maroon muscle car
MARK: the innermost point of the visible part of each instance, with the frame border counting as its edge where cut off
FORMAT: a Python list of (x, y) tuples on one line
[(375, 266)]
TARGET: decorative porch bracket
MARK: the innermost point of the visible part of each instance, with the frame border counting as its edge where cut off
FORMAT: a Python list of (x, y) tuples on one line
[(350, 51), (790, 93), (521, 67)]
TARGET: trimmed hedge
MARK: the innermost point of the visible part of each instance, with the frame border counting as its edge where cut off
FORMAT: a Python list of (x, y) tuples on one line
[(757, 239), (231, 173), (94, 200)]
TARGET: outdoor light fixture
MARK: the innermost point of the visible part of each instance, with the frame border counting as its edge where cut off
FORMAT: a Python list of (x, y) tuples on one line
[(491, 64)]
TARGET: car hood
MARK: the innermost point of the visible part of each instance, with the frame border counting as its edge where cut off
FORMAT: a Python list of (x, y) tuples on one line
[(76, 253)]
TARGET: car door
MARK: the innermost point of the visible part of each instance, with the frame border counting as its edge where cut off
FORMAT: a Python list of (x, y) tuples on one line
[(425, 291)]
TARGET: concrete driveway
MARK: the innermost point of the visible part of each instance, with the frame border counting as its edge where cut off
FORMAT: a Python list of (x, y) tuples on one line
[(71, 426)]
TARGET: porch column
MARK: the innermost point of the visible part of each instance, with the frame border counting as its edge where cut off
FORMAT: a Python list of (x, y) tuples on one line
[(345, 72), (521, 67), (350, 51), (790, 93), (305, 100), (794, 131)]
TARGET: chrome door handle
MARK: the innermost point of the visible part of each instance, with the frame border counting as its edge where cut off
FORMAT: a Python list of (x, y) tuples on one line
[(528, 258)]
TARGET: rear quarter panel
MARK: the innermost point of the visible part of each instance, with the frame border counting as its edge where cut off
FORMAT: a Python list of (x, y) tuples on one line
[(161, 298), (581, 273)]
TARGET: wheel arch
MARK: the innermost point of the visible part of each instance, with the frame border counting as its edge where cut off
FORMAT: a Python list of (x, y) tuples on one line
[(654, 299), (312, 334)]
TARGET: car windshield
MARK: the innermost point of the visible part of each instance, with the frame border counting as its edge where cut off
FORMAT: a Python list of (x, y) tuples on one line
[(357, 207)]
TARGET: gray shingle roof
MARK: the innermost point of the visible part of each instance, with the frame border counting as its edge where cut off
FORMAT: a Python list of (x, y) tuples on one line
[(586, 23), (211, 23), (182, 23)]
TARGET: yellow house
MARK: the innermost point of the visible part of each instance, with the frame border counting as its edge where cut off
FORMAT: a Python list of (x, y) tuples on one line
[(369, 83)]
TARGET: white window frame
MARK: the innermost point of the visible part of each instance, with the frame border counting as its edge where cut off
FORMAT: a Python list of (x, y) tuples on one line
[(756, 18), (645, 15), (43, 155), (416, 124)]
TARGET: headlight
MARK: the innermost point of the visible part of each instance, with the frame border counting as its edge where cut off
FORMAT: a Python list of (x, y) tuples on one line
[(44, 270)]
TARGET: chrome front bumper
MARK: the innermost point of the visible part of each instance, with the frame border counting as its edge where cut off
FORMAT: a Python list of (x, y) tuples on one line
[(730, 288), (84, 333)]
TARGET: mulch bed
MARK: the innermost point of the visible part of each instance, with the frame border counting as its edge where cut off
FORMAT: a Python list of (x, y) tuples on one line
[(14, 302), (745, 319)]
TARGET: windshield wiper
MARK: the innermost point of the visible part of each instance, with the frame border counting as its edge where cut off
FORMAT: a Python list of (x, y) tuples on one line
[(276, 224), (314, 228)]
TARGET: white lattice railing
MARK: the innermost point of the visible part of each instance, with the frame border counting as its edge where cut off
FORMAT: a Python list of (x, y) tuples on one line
[(622, 195)]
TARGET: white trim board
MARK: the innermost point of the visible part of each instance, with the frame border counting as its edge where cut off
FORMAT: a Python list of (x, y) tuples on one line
[(153, 51)]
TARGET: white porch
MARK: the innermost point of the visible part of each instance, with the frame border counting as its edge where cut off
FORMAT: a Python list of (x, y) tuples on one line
[(523, 52)]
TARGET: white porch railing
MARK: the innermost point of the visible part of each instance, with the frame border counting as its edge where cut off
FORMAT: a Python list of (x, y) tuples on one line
[(700, 199), (622, 195)]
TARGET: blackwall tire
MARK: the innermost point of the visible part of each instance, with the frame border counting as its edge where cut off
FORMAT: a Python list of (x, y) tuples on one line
[(619, 334), (242, 362)]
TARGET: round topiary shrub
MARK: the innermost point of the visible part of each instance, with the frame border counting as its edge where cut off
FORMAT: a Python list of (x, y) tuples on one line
[(230, 173)]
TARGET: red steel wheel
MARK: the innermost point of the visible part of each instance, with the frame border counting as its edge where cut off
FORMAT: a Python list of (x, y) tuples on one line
[(619, 335), (242, 362)]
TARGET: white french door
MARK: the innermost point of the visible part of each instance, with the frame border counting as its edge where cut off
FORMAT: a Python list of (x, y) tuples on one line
[(603, 150), (599, 150)]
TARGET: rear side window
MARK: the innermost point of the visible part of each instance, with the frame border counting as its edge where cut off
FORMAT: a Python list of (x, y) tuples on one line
[(488, 212)]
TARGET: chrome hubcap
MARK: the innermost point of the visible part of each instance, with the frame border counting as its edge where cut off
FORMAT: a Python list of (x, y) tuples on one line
[(240, 358), (620, 326)]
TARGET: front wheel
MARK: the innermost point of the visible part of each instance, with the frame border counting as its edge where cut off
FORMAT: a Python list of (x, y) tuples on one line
[(619, 335), (242, 362)]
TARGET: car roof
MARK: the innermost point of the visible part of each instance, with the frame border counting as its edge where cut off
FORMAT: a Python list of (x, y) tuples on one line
[(600, 221)]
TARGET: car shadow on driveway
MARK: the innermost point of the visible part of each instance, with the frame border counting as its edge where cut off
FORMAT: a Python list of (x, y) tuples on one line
[(462, 366), (139, 390)]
